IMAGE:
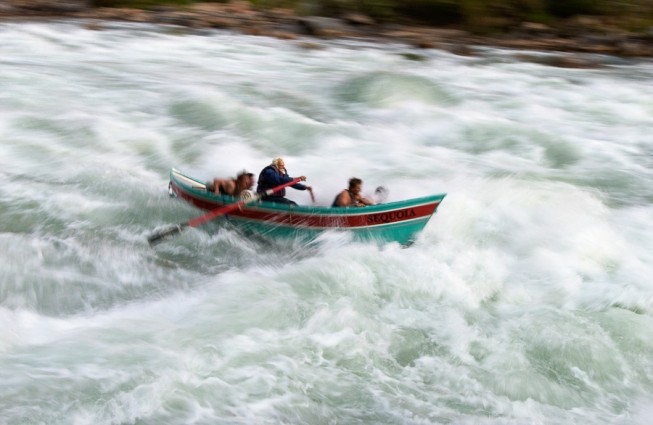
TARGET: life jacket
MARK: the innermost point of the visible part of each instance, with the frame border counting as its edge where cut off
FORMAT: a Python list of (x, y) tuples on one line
[(264, 184)]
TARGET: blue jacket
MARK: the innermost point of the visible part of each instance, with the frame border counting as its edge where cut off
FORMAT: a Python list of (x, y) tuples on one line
[(272, 177)]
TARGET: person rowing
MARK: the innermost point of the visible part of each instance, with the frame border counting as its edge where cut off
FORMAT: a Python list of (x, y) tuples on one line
[(274, 175), (351, 197)]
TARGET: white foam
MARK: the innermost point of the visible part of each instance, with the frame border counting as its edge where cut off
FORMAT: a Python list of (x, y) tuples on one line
[(527, 297)]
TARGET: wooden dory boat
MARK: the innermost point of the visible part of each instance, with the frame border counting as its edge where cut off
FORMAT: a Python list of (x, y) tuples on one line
[(395, 221)]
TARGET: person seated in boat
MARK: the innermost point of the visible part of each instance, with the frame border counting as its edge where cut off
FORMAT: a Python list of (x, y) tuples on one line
[(244, 182), (222, 186), (275, 175), (352, 197), (232, 187)]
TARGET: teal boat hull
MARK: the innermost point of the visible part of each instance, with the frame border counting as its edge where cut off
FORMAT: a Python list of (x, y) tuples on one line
[(399, 222)]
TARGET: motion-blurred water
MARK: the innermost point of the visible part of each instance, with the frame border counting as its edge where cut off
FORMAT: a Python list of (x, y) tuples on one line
[(528, 299)]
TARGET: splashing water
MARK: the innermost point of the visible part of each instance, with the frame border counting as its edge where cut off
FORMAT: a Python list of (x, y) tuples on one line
[(527, 299)]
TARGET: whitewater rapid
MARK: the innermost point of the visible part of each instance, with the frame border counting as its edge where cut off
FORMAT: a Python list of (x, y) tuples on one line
[(527, 299)]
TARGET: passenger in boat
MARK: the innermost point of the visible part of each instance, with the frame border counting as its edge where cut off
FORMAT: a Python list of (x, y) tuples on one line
[(232, 187), (222, 186), (275, 175), (244, 182), (352, 197)]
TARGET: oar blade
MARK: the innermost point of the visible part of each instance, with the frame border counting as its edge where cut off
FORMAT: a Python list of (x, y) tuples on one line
[(162, 234)]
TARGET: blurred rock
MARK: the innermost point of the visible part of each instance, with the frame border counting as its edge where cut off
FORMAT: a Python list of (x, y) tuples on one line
[(583, 21), (425, 43), (221, 22), (561, 61), (123, 14), (322, 27), (534, 28), (587, 34), (648, 33), (358, 19), (6, 8), (633, 49), (461, 50), (94, 26), (414, 57), (49, 6), (310, 46)]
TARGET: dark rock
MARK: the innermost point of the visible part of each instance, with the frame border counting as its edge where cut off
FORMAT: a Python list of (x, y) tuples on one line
[(94, 26), (358, 19), (310, 46), (601, 39), (289, 26), (634, 49), (561, 61), (282, 35), (162, 9), (177, 18), (461, 50), (597, 35), (221, 22), (414, 57), (322, 27), (648, 34), (50, 7), (534, 28), (6, 8), (425, 43)]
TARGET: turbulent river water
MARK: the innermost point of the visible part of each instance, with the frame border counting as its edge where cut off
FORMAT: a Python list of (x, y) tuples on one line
[(527, 299)]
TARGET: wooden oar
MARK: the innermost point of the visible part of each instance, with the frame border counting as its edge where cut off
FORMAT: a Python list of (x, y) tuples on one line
[(198, 221)]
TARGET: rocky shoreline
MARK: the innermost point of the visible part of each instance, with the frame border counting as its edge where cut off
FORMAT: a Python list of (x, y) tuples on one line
[(591, 35)]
